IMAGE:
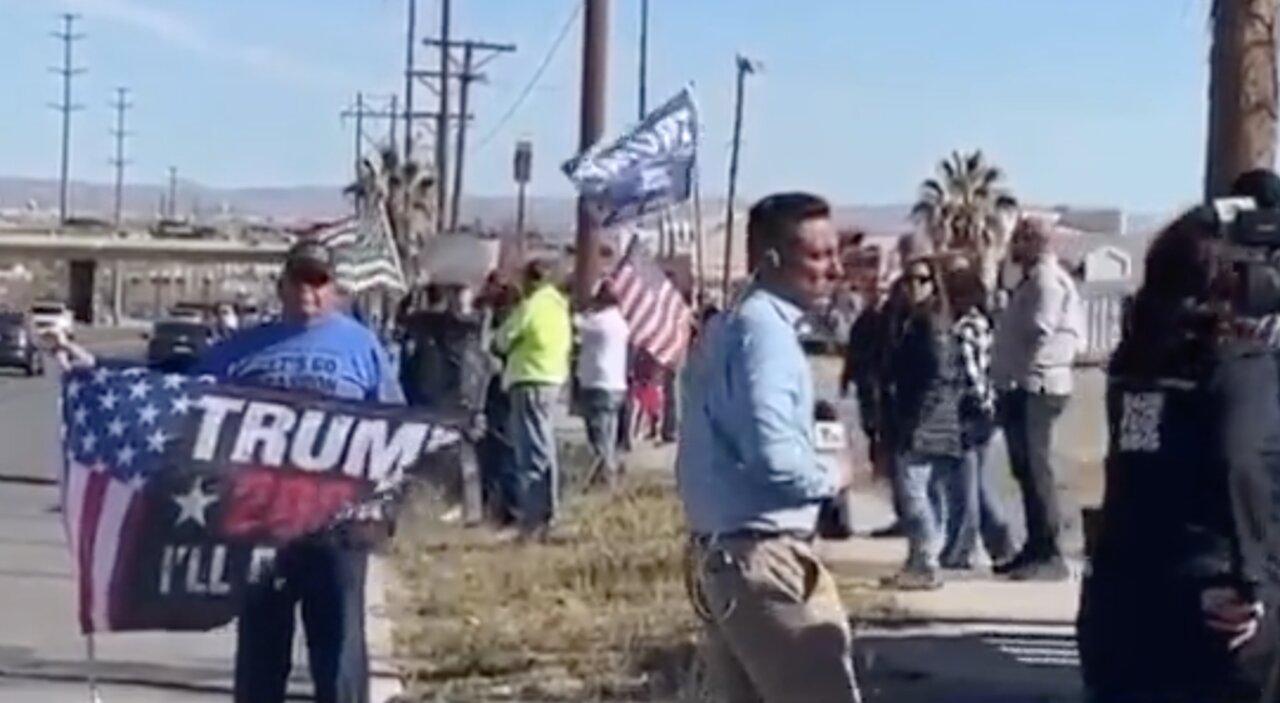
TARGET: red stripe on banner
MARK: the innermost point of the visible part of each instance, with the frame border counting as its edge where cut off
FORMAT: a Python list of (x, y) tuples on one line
[(90, 512), (123, 569), (657, 314)]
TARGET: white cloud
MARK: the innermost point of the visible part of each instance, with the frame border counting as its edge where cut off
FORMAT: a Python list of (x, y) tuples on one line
[(183, 33)]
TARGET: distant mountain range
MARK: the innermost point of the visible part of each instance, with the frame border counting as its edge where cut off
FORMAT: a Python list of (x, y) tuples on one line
[(33, 198)]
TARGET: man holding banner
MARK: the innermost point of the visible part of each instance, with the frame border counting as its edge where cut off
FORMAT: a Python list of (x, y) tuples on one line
[(316, 350)]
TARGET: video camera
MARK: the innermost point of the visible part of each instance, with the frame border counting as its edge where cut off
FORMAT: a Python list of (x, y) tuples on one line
[(1252, 237)]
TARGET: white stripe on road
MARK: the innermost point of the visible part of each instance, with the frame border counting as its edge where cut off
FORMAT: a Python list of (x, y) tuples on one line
[(1038, 651)]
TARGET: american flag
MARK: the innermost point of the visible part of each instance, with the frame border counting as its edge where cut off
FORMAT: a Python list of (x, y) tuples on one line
[(367, 256), (657, 313), (117, 425)]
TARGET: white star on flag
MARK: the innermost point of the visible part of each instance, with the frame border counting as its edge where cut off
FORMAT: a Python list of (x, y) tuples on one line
[(139, 390), (101, 375), (182, 405), (156, 441), (80, 415), (115, 428), (109, 400), (126, 455), (73, 389), (192, 504), (172, 382), (88, 441), (148, 413)]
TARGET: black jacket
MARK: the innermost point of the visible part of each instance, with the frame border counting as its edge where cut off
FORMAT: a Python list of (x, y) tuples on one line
[(1187, 507), (925, 389)]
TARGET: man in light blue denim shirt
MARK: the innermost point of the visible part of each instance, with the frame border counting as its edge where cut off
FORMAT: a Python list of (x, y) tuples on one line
[(750, 479)]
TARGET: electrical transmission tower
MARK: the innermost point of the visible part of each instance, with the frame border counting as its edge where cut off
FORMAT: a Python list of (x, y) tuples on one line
[(121, 106), (68, 71)]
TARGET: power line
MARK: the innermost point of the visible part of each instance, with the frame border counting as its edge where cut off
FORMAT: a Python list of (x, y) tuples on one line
[(533, 81)]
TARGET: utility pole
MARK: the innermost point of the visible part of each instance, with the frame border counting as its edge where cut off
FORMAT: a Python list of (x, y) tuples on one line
[(644, 57), (464, 94), (173, 193), (121, 105), (745, 67), (391, 125), (442, 122), (411, 33), (595, 65), (472, 62), (68, 71), (359, 144)]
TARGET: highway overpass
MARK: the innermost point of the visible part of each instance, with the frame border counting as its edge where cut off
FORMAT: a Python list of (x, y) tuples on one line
[(85, 250), (135, 246)]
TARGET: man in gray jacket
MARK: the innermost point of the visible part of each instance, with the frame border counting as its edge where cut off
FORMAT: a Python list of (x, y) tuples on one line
[(1037, 339)]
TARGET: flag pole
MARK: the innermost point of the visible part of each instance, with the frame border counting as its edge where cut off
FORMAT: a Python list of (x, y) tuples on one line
[(700, 264), (91, 655)]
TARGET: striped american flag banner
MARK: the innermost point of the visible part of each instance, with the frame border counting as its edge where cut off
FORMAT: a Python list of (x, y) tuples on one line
[(657, 313), (366, 253), (676, 229)]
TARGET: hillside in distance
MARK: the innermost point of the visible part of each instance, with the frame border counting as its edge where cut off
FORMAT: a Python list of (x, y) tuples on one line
[(32, 198)]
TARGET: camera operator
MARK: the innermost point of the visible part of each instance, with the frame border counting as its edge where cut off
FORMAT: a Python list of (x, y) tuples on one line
[(1169, 607)]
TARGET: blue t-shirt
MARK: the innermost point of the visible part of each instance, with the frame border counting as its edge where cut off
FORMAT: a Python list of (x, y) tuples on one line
[(334, 356)]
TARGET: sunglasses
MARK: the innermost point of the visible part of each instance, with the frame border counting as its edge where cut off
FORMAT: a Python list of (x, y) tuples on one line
[(313, 278), (920, 279)]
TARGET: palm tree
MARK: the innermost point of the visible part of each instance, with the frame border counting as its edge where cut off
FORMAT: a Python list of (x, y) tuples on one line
[(1242, 91), (405, 191), (968, 210)]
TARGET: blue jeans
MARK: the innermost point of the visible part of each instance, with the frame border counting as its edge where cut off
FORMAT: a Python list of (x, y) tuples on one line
[(974, 510), (533, 440), (328, 583), (922, 483), (600, 412)]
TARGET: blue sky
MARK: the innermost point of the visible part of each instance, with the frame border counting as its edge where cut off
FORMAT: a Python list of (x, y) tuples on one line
[(1082, 101)]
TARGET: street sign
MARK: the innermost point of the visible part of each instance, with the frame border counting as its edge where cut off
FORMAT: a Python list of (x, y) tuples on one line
[(523, 165)]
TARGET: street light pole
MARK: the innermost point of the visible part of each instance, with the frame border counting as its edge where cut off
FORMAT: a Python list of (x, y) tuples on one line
[(745, 67)]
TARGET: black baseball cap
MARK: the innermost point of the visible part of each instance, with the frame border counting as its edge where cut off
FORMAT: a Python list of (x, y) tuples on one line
[(1261, 184), (309, 258)]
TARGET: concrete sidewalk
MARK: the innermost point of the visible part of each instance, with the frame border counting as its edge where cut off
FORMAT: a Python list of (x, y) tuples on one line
[(963, 598)]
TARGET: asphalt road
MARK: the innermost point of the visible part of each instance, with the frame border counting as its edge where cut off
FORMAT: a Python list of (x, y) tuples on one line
[(42, 656)]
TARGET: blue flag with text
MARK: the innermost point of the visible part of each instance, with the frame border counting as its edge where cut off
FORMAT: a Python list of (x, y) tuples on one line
[(646, 170)]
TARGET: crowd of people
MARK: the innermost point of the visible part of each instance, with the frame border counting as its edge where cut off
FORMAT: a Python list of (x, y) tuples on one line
[(1177, 596), (1179, 591), (940, 363)]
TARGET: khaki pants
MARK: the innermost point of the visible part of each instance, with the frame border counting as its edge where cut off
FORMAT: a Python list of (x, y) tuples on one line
[(777, 631)]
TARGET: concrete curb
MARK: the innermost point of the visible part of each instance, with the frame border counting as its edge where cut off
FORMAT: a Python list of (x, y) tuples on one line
[(385, 680)]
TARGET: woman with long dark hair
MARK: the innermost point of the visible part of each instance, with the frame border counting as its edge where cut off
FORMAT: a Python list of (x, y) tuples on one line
[(1170, 606), (925, 387)]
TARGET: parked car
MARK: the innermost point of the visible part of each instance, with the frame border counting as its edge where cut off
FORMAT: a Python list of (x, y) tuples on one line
[(188, 312), (820, 334), (175, 344), (51, 315), (18, 347)]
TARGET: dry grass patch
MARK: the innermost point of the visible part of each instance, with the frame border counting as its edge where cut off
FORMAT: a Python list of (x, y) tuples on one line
[(599, 613)]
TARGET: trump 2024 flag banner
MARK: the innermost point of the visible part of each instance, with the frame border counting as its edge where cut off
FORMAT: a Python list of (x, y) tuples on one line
[(177, 491), (645, 170)]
